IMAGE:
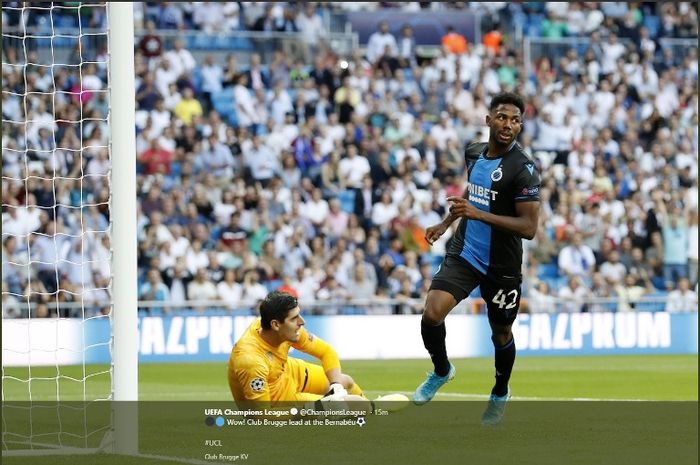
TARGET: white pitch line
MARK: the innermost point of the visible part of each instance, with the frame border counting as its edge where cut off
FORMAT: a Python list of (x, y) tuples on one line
[(455, 395), (459, 395)]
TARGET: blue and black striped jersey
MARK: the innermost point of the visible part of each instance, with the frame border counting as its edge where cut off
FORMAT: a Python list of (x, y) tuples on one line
[(495, 185)]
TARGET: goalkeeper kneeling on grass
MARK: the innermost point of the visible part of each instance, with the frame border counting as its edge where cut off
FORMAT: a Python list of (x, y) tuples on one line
[(260, 368)]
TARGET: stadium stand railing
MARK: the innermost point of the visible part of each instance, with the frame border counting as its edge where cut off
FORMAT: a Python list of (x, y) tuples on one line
[(63, 36)]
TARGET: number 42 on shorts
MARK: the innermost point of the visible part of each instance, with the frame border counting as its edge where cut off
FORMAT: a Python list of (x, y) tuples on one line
[(501, 297)]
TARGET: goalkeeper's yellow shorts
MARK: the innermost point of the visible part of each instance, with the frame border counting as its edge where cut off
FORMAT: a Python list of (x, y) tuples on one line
[(309, 381)]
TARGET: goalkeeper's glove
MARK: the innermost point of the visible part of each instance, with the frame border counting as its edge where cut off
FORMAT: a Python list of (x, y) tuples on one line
[(336, 392)]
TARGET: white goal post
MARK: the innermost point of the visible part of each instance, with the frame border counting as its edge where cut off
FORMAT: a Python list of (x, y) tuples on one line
[(124, 242), (38, 351)]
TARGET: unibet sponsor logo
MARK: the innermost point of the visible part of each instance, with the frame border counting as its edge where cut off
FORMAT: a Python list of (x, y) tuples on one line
[(481, 195)]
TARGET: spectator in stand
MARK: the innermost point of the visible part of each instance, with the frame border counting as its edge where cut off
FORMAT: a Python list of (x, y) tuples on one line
[(630, 291), (675, 242), (492, 40), (253, 292), (245, 104), (189, 108), (612, 270), (407, 48), (156, 159), (201, 288), (181, 61), (312, 32), (540, 299), (262, 162), (346, 99), (378, 42), (212, 79), (151, 45), (209, 16), (360, 286), (153, 289), (453, 42), (216, 159), (573, 296), (353, 168), (147, 93), (229, 290), (577, 259), (682, 299), (258, 77)]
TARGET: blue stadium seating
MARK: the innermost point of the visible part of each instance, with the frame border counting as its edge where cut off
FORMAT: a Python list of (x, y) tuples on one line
[(533, 27), (653, 24), (548, 270), (347, 200), (652, 306), (272, 285), (64, 21), (223, 103)]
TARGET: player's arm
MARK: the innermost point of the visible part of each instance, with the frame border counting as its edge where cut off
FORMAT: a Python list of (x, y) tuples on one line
[(434, 232), (323, 351), (252, 377), (524, 224)]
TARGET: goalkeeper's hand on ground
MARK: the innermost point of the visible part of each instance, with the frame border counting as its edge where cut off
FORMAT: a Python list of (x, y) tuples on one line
[(336, 392)]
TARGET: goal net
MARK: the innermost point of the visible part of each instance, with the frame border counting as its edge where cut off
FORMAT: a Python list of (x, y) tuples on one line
[(57, 227)]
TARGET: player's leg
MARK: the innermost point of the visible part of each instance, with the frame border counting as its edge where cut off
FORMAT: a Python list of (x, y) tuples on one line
[(502, 300), (438, 304), (504, 357), (310, 378), (452, 283)]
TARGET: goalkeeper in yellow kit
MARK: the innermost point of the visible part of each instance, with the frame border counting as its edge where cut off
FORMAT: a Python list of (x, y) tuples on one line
[(260, 368)]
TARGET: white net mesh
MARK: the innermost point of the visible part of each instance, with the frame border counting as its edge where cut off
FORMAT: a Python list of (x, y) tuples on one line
[(56, 277)]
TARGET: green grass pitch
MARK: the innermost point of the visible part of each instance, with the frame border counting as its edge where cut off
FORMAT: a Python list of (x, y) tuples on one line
[(539, 428), (630, 377)]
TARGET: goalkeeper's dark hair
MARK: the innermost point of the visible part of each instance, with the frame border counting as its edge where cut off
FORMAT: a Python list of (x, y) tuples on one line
[(276, 306), (507, 98)]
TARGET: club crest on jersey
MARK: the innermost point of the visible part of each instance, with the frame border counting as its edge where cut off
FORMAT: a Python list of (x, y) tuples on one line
[(497, 175)]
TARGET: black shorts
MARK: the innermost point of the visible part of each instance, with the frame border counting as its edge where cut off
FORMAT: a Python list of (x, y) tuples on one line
[(502, 296)]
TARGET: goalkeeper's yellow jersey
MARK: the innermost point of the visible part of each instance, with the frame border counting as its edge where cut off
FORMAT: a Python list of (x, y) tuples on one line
[(258, 371)]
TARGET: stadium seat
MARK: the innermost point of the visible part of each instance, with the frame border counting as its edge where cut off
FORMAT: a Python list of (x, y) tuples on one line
[(272, 285), (201, 42), (64, 21), (220, 43), (652, 306), (63, 42), (241, 44), (548, 270), (652, 23), (352, 311), (533, 27), (232, 118), (347, 200), (197, 79)]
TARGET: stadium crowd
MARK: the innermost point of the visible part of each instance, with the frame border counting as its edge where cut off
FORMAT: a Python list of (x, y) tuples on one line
[(324, 171)]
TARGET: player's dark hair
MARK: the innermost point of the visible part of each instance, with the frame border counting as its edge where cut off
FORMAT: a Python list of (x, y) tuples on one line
[(275, 307), (508, 98)]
